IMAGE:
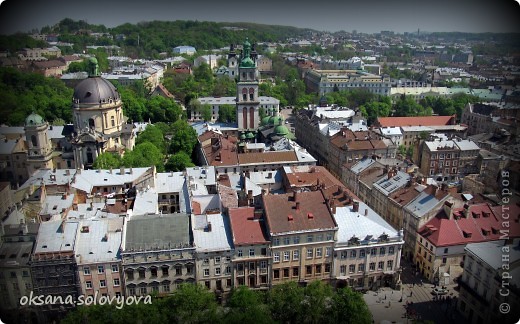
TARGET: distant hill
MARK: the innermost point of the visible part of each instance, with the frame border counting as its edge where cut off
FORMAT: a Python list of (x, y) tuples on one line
[(147, 39)]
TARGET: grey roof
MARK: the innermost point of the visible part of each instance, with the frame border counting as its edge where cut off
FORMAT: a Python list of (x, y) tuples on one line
[(154, 232), (436, 145), (88, 179), (417, 129), (422, 204), (12, 130), (467, 145), (204, 175), (362, 165), (218, 239), (366, 228), (146, 202), (169, 182), (54, 205), (50, 177), (55, 132), (7, 146), (94, 90), (387, 186), (15, 254), (491, 253), (56, 236), (102, 241)]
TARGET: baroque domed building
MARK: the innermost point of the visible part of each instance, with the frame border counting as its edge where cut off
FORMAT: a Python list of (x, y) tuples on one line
[(99, 124)]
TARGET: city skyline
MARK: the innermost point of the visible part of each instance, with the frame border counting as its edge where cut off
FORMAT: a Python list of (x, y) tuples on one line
[(368, 17)]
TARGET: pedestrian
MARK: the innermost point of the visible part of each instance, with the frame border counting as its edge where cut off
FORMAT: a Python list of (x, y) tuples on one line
[(413, 284), (411, 292)]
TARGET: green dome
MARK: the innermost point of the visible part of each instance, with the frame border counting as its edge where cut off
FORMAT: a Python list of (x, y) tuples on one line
[(33, 120), (250, 135), (265, 120), (242, 136), (274, 120), (247, 63), (281, 130)]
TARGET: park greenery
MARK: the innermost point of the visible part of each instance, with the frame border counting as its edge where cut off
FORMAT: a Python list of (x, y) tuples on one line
[(286, 303)]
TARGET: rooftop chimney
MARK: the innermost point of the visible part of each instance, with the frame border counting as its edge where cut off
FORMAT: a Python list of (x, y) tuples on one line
[(366, 211), (295, 195), (355, 206), (297, 205)]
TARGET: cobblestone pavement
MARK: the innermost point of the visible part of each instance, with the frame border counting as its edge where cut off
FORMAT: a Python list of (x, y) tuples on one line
[(391, 305)]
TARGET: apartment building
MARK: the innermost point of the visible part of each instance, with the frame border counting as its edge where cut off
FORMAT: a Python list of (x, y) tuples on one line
[(213, 251), (441, 241), (97, 255), (440, 159), (15, 270), (158, 254), (169, 187), (302, 232), (252, 260), (485, 286), (367, 253), (53, 266), (324, 81), (419, 211), (384, 187)]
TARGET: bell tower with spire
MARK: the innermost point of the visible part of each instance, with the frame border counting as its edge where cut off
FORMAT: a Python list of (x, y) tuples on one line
[(247, 100)]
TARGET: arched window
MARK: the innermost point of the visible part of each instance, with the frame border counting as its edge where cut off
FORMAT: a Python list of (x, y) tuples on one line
[(244, 117), (251, 94), (244, 94), (113, 121), (90, 157), (252, 117), (91, 123), (34, 140)]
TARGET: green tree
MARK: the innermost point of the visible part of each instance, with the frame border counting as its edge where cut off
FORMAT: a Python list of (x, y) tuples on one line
[(349, 307), (246, 306), (407, 107), (318, 302), (78, 66), (184, 138), (152, 134), (206, 112), (58, 122), (144, 155), (191, 303), (286, 303), (178, 162), (107, 160), (227, 113), (374, 109)]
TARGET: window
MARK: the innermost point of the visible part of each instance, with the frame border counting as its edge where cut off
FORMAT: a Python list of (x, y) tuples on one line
[(115, 268), (102, 283), (441, 156), (454, 163), (351, 268), (251, 252), (319, 252), (206, 272), (101, 269), (153, 272), (217, 271), (116, 282), (373, 251), (361, 267), (130, 274), (389, 264), (276, 242), (276, 257), (88, 284), (286, 256), (362, 253), (143, 290), (443, 260), (239, 253), (295, 271), (445, 250), (308, 270), (372, 266), (217, 260), (319, 238), (296, 240), (382, 251), (310, 238), (112, 120), (329, 237), (391, 250), (353, 253), (380, 265), (343, 269), (141, 273), (296, 255), (276, 274), (206, 261), (166, 288), (328, 251), (228, 270), (86, 271), (447, 163), (263, 264), (164, 271), (309, 253), (131, 291), (286, 241), (318, 268)]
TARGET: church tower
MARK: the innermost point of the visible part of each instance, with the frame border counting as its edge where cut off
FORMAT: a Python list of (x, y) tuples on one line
[(247, 99), (38, 143)]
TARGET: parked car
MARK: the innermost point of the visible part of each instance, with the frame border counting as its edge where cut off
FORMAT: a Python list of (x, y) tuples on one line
[(439, 291)]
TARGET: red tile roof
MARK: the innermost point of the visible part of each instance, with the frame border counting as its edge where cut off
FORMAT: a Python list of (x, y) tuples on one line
[(267, 157), (283, 216), (441, 231), (303, 177), (246, 230), (219, 150), (416, 121), (360, 140)]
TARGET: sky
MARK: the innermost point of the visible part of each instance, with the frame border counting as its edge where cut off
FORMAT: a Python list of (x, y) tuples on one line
[(369, 16)]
